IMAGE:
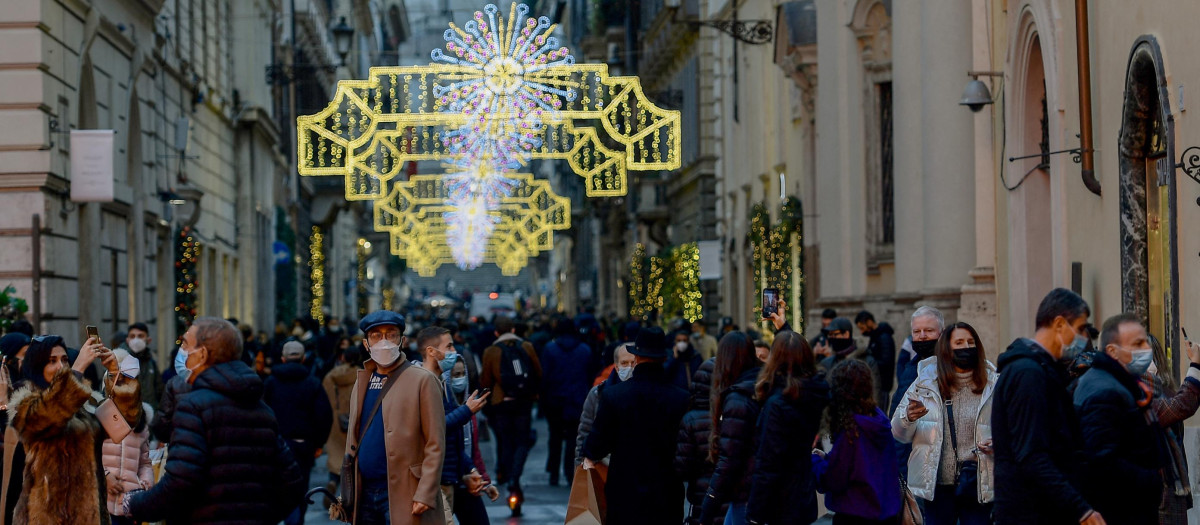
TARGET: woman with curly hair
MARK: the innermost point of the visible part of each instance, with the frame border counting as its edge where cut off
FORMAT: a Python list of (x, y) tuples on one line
[(858, 475)]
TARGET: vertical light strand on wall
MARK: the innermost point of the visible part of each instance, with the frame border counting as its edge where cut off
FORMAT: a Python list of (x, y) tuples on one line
[(316, 264)]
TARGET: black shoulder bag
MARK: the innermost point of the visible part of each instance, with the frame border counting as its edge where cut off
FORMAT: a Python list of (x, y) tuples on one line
[(966, 473), (350, 464)]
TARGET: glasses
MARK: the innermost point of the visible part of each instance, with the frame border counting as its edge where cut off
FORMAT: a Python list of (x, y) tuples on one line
[(375, 337)]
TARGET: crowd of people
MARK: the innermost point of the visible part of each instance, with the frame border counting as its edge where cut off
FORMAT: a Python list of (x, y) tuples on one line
[(1071, 425)]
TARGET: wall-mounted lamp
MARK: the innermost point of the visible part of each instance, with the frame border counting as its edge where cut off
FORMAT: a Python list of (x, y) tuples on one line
[(977, 95), (343, 38)]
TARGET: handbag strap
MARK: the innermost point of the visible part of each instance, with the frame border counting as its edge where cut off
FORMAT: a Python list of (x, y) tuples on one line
[(953, 433), (391, 380)]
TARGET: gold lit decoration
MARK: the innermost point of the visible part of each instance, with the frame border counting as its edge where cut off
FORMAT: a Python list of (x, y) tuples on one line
[(361, 251), (316, 264), (637, 282), (683, 287), (414, 216), (501, 94), (777, 256), (187, 251)]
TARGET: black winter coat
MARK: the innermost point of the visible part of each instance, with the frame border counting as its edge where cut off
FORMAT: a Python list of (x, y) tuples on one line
[(882, 348), (735, 446), (1035, 435), (228, 464), (680, 370), (691, 449), (636, 424), (783, 489), (163, 423), (301, 407), (1121, 444)]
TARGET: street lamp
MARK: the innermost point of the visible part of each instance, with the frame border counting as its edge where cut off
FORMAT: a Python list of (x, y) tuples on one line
[(977, 95), (343, 38)]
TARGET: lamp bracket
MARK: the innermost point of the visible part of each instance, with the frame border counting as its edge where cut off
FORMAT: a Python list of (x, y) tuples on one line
[(1076, 155), (753, 32), (1189, 162)]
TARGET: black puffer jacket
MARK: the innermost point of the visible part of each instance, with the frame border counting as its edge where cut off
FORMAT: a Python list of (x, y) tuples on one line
[(228, 464), (691, 452), (735, 445), (301, 408), (783, 490), (163, 423)]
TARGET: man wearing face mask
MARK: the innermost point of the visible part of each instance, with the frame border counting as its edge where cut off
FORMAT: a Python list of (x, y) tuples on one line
[(303, 410), (623, 363), (840, 343), (137, 343), (438, 355), (395, 446), (685, 360), (1034, 427), (1121, 434)]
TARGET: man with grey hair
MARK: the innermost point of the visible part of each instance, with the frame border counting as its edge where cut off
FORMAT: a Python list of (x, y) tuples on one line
[(228, 461), (927, 324)]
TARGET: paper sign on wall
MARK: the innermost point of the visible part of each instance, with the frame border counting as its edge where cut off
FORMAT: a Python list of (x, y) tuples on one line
[(92, 165), (710, 259)]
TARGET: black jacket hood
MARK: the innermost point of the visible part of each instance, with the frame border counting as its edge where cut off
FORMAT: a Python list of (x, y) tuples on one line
[(234, 379)]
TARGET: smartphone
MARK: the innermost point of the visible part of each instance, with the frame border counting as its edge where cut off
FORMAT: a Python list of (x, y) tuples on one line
[(770, 302), (485, 392), (92, 331), (1185, 337)]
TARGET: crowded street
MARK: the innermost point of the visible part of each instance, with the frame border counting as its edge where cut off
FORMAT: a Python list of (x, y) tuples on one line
[(599, 262)]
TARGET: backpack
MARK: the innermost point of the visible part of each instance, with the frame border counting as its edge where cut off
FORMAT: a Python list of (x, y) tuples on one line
[(516, 371)]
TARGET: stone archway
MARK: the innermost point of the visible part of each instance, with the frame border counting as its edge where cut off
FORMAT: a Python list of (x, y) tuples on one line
[(1149, 230)]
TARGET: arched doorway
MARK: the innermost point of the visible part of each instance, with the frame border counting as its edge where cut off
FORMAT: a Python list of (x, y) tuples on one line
[(1149, 269)]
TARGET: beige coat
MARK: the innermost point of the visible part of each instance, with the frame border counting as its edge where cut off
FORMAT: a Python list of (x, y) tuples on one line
[(127, 467), (414, 433), (339, 385)]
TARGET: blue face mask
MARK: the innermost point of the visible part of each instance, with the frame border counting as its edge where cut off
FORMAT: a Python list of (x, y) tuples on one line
[(448, 362), (1071, 351), (181, 363), (458, 384), (1142, 359)]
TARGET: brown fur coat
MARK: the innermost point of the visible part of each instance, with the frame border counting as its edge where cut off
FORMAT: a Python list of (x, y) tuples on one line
[(63, 481)]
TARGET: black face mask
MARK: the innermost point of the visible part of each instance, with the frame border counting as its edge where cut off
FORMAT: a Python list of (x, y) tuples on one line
[(924, 349), (967, 358), (839, 345)]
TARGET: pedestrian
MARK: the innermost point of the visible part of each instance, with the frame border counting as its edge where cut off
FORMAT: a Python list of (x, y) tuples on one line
[(1173, 403), (302, 410), (840, 345), (684, 361), (227, 461), (820, 343), (622, 370), (567, 369), (762, 350), (705, 344), (127, 467), (947, 420), (1122, 439), (794, 397), (137, 343), (512, 371), (629, 332), (691, 449), (858, 474), (62, 479), (163, 422), (468, 500), (437, 350), (339, 385), (636, 424), (734, 418), (397, 448), (12, 352), (1034, 426), (927, 324), (881, 351)]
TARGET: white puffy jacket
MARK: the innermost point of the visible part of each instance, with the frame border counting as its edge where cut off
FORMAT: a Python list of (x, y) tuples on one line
[(925, 434)]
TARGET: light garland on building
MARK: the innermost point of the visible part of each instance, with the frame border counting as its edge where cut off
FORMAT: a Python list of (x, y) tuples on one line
[(637, 282), (360, 277), (187, 251), (777, 254), (316, 264), (685, 283)]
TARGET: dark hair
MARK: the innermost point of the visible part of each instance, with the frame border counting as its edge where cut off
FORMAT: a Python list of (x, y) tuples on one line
[(37, 357), (352, 354), (1112, 327), (947, 377), (427, 336), (21, 326), (853, 393), (759, 343), (829, 313), (735, 355), (1060, 302), (863, 317), (220, 337), (791, 360), (564, 326), (139, 326), (503, 324), (1170, 384)]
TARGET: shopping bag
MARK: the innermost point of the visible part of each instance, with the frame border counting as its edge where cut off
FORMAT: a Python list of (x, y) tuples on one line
[(587, 505)]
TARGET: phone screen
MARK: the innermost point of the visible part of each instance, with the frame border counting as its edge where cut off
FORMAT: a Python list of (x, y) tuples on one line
[(770, 302), (92, 332)]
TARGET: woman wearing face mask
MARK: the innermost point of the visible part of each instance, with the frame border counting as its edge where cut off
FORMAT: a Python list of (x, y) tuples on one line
[(623, 363), (684, 361), (734, 427), (177, 385), (468, 507), (691, 450), (947, 418), (63, 477)]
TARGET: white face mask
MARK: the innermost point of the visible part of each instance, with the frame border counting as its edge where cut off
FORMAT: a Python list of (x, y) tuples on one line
[(624, 373), (137, 345), (385, 352), (681, 347)]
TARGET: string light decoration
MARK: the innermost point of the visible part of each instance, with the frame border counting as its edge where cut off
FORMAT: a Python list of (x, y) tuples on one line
[(316, 264), (502, 93), (637, 282), (360, 277), (682, 288), (777, 255), (187, 253)]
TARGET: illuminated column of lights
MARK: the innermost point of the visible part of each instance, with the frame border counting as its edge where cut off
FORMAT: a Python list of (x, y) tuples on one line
[(361, 251), (186, 280), (654, 284), (389, 298), (637, 281), (316, 264), (687, 275)]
